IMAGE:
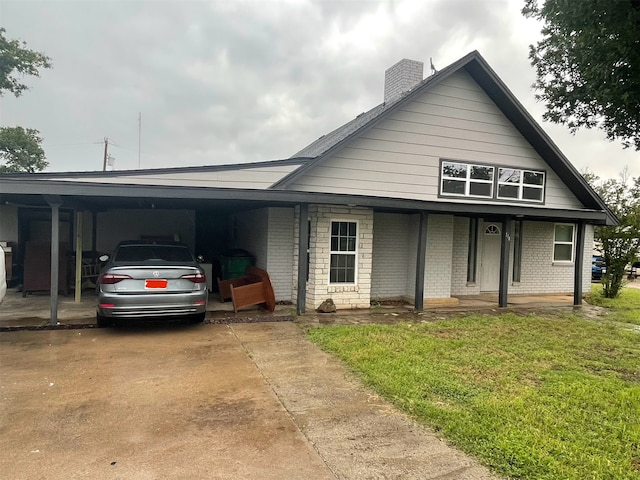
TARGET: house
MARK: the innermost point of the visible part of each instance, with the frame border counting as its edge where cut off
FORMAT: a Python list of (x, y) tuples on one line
[(447, 188)]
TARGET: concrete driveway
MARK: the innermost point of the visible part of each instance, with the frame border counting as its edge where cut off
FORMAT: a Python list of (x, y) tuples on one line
[(200, 402)]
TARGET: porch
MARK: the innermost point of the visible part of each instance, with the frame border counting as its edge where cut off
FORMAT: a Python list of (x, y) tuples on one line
[(33, 311)]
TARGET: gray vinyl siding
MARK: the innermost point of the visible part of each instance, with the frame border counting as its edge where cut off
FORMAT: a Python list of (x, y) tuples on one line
[(253, 178), (400, 156)]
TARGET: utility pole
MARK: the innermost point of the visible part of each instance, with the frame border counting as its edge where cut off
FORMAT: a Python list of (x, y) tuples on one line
[(106, 154)]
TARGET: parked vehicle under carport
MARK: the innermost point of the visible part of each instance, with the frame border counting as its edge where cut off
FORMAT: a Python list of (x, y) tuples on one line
[(150, 279)]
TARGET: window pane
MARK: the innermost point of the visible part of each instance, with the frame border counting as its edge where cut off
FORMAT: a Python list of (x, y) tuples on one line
[(343, 228), (508, 191), (334, 228), (529, 193), (352, 229), (483, 189), (351, 245), (482, 173), (564, 233), (333, 276), (334, 244), (562, 253), (510, 175), (350, 276), (457, 170), (453, 186), (533, 178), (342, 269)]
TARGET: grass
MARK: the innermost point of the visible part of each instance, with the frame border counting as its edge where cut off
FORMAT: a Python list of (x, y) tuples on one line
[(626, 306), (532, 397)]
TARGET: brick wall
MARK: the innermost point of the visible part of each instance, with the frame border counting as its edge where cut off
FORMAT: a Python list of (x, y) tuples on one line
[(391, 256), (387, 257), (401, 77), (395, 246), (280, 252), (459, 284), (267, 233), (437, 281), (539, 274), (318, 288)]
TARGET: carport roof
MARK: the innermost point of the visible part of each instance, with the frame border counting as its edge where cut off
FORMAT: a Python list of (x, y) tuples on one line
[(101, 196)]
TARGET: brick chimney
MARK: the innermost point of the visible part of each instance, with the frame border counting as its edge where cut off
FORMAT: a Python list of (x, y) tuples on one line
[(401, 77)]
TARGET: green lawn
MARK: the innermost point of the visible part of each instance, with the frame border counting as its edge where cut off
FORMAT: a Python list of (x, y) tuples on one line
[(530, 396), (626, 306)]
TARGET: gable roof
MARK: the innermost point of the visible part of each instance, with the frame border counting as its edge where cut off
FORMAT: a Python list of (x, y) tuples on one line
[(477, 67)]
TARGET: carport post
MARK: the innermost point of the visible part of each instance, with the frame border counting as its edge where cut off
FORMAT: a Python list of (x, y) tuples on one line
[(303, 266), (578, 265), (505, 248), (54, 202), (78, 292), (421, 261)]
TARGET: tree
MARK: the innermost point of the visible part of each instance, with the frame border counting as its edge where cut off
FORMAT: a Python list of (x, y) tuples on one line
[(588, 65), (20, 150), (620, 244), (15, 58)]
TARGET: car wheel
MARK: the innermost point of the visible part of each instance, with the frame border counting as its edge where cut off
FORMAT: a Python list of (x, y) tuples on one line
[(102, 321), (197, 318)]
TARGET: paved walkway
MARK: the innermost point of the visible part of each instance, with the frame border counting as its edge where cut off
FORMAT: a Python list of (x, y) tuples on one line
[(356, 433)]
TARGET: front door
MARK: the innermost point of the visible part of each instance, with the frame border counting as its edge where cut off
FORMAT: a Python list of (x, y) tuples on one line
[(490, 258)]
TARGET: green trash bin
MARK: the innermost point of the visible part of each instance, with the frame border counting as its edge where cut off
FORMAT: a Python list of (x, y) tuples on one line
[(235, 262)]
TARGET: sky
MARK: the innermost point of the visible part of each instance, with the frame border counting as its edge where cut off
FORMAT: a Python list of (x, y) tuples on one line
[(191, 83)]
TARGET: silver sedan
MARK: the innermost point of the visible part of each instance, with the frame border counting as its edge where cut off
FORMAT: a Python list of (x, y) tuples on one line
[(145, 279)]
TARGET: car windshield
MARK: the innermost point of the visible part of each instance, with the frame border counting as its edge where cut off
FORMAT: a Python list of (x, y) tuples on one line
[(142, 253)]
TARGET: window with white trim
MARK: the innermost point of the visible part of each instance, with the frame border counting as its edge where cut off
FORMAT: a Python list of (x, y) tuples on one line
[(344, 241), (563, 242), (516, 184), (466, 180)]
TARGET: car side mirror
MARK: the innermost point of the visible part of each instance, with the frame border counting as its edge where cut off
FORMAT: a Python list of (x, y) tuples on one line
[(103, 258)]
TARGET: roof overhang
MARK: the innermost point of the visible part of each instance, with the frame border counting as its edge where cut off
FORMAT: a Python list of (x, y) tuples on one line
[(28, 192)]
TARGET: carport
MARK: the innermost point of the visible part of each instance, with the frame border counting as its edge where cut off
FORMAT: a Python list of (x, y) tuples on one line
[(71, 199)]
